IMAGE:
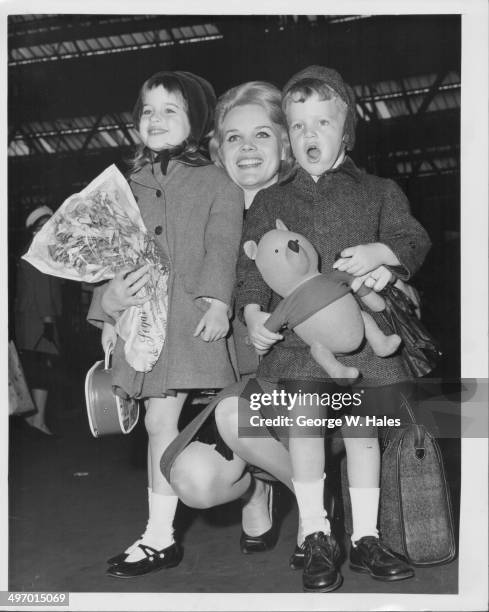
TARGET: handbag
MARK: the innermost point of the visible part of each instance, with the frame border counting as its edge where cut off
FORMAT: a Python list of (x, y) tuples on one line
[(420, 351), (107, 413), (20, 400), (416, 520)]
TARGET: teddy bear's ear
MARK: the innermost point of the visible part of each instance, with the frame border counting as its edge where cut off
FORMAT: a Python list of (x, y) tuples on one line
[(280, 225), (250, 248)]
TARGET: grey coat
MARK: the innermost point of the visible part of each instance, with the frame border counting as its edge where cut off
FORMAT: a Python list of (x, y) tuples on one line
[(345, 208), (195, 214)]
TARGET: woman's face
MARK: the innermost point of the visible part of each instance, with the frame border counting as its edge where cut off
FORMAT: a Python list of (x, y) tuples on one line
[(252, 147)]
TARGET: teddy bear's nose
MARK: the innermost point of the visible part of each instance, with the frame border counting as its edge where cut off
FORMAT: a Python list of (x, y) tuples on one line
[(293, 245)]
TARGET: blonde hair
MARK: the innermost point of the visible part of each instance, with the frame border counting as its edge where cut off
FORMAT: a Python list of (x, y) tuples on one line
[(263, 94)]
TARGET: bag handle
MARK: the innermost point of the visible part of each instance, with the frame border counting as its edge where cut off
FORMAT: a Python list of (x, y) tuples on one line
[(419, 445), (108, 352)]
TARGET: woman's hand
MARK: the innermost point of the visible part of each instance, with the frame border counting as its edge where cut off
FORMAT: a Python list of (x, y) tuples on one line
[(121, 291), (214, 325), (376, 280), (109, 336), (261, 337)]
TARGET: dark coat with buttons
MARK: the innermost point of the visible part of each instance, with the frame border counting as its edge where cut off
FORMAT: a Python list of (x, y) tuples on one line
[(345, 208), (195, 215)]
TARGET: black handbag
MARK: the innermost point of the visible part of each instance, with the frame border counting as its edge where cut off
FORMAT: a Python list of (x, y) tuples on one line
[(420, 352)]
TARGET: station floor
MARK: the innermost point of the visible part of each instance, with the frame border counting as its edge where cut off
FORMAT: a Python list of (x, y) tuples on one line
[(75, 500)]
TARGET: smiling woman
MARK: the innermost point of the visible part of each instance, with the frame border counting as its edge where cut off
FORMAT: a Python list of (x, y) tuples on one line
[(250, 137)]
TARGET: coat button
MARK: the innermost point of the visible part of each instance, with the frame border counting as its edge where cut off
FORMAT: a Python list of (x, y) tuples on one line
[(158, 230), (158, 193)]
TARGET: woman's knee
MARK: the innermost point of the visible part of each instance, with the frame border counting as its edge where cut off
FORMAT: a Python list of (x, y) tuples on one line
[(193, 483)]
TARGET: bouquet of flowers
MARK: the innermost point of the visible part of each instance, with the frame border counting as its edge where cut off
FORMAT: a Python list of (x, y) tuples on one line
[(95, 234)]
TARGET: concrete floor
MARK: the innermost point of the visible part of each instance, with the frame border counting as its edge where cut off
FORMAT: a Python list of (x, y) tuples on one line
[(76, 500)]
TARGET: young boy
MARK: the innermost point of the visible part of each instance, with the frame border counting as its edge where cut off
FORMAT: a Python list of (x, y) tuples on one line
[(366, 220)]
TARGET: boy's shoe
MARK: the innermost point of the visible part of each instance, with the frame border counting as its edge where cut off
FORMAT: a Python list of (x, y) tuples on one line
[(154, 560), (322, 553), (370, 556)]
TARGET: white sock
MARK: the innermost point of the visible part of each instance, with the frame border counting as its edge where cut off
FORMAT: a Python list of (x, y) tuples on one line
[(159, 530), (135, 544), (310, 499), (364, 509), (256, 513)]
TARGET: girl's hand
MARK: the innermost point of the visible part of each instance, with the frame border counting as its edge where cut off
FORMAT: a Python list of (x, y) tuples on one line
[(109, 336), (376, 280), (362, 259), (261, 337), (214, 325), (121, 291)]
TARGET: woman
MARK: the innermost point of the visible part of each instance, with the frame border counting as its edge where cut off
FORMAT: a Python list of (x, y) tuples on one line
[(37, 305)]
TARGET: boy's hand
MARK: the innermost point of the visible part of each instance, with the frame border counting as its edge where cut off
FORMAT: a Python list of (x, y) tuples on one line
[(214, 325), (109, 336), (261, 337), (121, 291), (376, 280), (364, 258)]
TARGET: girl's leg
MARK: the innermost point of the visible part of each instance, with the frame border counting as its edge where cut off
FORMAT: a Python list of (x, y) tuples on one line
[(161, 422)]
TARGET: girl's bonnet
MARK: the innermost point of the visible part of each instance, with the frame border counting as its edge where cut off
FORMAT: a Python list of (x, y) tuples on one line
[(201, 101)]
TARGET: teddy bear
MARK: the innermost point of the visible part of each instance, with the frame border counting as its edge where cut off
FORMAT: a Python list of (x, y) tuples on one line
[(319, 307)]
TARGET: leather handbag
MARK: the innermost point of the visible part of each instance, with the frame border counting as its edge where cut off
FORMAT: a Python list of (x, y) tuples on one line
[(415, 519), (420, 351), (107, 413)]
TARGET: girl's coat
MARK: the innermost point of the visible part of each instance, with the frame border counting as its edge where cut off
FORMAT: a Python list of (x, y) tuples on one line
[(195, 214)]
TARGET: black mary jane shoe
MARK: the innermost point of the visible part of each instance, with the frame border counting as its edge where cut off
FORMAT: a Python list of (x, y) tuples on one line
[(154, 561), (296, 560), (369, 556), (116, 559), (266, 541)]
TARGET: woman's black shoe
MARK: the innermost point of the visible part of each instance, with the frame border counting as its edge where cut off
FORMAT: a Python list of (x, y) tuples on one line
[(265, 541), (296, 560), (155, 560)]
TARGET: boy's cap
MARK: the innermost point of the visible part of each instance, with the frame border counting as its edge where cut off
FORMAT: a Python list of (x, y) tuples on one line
[(333, 79), (201, 100), (36, 214)]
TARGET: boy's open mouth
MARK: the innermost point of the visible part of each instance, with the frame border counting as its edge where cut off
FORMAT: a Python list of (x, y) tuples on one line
[(313, 153)]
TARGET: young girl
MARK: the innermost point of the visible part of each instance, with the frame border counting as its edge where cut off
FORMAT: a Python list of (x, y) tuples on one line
[(195, 214)]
